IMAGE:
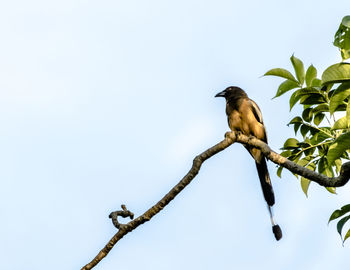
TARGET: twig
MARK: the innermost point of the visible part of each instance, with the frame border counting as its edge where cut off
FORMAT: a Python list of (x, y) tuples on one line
[(230, 138), (124, 213)]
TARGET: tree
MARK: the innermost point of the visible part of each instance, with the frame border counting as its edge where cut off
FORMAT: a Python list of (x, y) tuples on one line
[(317, 157), (324, 124)]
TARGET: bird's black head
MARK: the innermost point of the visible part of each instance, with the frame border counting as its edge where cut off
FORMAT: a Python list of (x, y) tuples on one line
[(232, 91)]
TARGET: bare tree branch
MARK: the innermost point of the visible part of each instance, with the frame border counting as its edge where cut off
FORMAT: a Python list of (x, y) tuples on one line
[(230, 138)]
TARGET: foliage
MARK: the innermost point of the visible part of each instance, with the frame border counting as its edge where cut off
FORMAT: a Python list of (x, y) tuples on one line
[(324, 123), (339, 213), (342, 38)]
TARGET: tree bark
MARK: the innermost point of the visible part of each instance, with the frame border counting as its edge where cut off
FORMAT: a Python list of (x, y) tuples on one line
[(230, 138)]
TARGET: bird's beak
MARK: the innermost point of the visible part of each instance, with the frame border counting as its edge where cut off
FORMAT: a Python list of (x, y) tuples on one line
[(221, 94)]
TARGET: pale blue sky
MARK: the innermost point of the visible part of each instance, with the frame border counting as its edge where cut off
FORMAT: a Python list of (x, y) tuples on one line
[(107, 102)]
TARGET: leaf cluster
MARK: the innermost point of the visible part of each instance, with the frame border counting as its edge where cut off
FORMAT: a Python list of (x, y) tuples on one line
[(340, 213), (342, 38), (325, 140), (323, 125)]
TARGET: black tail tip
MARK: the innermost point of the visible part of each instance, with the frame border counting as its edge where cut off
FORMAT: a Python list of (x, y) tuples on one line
[(277, 232)]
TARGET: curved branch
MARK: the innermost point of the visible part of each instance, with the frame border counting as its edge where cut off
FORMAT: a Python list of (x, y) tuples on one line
[(230, 138), (320, 179), (123, 213), (126, 228)]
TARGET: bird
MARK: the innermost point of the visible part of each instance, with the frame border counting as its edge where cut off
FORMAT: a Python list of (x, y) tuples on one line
[(244, 116)]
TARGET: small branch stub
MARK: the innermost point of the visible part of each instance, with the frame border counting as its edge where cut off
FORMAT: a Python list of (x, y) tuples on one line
[(123, 213)]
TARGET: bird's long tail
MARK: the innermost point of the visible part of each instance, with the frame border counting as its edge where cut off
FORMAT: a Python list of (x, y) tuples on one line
[(269, 196)]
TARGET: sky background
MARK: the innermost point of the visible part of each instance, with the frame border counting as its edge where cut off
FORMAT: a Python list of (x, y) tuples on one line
[(107, 102)]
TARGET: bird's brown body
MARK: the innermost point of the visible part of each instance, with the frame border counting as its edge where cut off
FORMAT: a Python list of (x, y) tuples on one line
[(244, 115)]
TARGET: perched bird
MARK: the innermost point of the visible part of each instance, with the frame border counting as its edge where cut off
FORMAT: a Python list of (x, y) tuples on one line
[(244, 115)]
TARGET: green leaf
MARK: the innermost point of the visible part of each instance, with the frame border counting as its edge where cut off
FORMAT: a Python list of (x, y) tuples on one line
[(341, 123), (341, 223), (291, 143), (338, 97), (339, 212), (347, 235), (294, 99), (345, 53), (296, 119), (305, 143), (318, 118), (312, 165), (345, 208), (329, 172), (323, 150), (322, 163), (307, 114), (338, 164), (342, 38), (313, 130), (340, 145), (286, 153), (305, 183), (299, 69), (279, 171), (322, 138), (314, 138), (304, 161), (310, 90), (331, 190), (348, 114), (346, 21), (285, 87), (311, 74), (295, 158), (346, 155), (296, 127), (336, 73), (281, 72), (326, 132), (304, 129), (316, 82), (321, 108), (312, 99), (310, 151)]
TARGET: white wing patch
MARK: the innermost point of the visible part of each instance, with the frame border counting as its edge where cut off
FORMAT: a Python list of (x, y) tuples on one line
[(256, 111)]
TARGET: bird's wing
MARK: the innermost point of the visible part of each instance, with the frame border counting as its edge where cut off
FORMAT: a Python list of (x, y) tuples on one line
[(258, 116), (256, 111)]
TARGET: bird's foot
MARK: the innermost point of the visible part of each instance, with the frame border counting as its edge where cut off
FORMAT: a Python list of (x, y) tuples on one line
[(227, 134)]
